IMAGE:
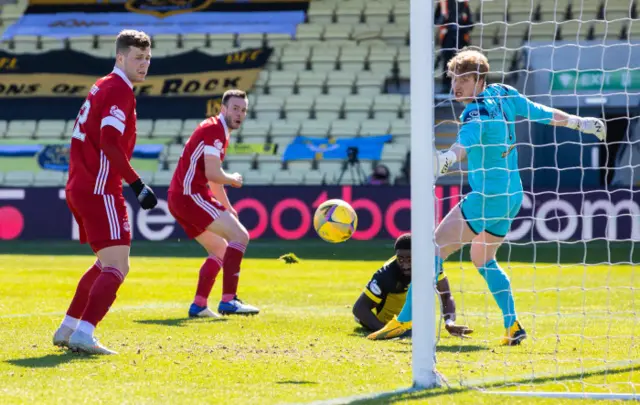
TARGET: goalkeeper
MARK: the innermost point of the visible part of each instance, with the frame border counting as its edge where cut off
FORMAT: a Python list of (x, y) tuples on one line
[(487, 139), (385, 294)]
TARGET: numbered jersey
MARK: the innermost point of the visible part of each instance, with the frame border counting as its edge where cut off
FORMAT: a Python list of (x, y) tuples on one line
[(211, 137), (110, 103)]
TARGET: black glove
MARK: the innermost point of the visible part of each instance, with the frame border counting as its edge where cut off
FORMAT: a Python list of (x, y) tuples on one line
[(145, 194)]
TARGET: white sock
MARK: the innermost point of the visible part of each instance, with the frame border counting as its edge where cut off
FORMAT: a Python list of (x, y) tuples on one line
[(70, 322), (86, 327)]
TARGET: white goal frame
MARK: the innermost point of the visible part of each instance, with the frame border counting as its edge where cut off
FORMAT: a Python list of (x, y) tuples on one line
[(423, 215)]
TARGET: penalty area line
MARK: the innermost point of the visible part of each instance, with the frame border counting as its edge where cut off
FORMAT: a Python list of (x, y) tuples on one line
[(362, 397)]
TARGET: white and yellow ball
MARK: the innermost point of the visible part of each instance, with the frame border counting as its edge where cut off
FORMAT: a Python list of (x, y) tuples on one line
[(335, 221)]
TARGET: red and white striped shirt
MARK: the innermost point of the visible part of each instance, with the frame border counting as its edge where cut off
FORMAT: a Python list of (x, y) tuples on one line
[(110, 102), (211, 137)]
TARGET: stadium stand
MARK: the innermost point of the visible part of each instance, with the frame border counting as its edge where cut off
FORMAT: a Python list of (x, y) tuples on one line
[(330, 79)]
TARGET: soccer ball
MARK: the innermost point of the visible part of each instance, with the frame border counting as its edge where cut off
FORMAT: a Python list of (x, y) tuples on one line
[(335, 221)]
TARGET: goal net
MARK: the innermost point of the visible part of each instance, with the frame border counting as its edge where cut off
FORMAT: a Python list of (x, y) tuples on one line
[(572, 252)]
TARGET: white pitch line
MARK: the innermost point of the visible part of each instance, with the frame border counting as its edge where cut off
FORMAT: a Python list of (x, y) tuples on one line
[(473, 384)]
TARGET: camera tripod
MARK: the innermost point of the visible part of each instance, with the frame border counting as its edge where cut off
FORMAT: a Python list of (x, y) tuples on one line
[(358, 176)]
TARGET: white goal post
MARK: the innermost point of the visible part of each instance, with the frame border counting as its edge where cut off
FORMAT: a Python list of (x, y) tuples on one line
[(556, 376)]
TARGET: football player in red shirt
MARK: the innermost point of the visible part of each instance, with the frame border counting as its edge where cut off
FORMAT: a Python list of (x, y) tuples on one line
[(199, 203), (102, 143)]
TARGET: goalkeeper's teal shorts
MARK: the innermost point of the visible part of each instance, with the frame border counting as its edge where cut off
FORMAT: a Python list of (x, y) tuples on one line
[(491, 214)]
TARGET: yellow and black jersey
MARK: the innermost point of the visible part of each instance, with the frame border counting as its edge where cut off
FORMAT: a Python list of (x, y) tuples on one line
[(388, 289)]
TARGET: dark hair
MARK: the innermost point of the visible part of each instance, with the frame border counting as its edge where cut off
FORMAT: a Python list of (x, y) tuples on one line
[(229, 94), (403, 242), (127, 38)]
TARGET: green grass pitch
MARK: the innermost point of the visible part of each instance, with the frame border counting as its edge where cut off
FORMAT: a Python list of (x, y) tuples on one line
[(305, 346)]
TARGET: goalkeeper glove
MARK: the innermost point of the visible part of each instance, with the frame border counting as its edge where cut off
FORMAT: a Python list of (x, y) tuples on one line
[(588, 125), (146, 196), (443, 162)]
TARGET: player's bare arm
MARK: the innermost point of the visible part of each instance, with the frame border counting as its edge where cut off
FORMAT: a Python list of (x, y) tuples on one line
[(220, 194), (588, 125), (214, 172), (363, 311)]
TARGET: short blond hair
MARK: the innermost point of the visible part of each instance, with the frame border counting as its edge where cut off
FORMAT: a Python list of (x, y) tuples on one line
[(469, 61)]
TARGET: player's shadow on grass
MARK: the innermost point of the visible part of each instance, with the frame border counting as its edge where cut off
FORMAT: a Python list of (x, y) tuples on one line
[(178, 321), (50, 360)]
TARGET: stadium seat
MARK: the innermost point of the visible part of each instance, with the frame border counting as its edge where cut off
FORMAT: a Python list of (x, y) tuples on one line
[(25, 43), (299, 166), (278, 40), (222, 41), (193, 41), (315, 128), (350, 12), (321, 12), (333, 32), (251, 40), (401, 131), (255, 177), (298, 107), (254, 128), (394, 151), (325, 58), (309, 32), (369, 84), (3, 128), (48, 178), (311, 83), (19, 178), (282, 141), (365, 32), (21, 129), (381, 59), (281, 83), (144, 128), (284, 177), (377, 12), (341, 83), (51, 43), (314, 177), (344, 129), (352, 58), (357, 107), (167, 128), (164, 41), (189, 126), (330, 168), (52, 129), (285, 128), (374, 127), (328, 107), (295, 57), (268, 108), (395, 34), (387, 106), (162, 178)]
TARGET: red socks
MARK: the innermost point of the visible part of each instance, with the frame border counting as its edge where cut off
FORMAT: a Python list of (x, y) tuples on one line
[(231, 273), (102, 295), (208, 273), (79, 301)]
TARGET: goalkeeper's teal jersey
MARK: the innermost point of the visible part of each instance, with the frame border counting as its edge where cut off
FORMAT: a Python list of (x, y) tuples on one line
[(488, 135)]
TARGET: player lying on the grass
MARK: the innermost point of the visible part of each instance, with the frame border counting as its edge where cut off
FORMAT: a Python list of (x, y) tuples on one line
[(487, 139), (199, 203), (385, 294), (101, 146)]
